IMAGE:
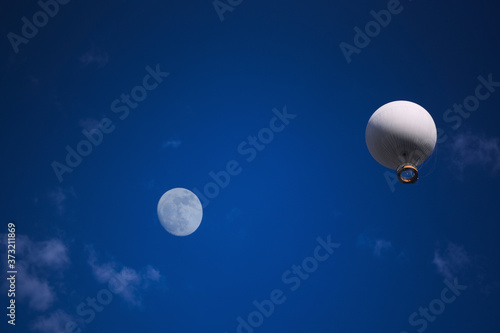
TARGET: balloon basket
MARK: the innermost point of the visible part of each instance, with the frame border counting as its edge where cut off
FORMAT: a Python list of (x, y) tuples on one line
[(407, 173)]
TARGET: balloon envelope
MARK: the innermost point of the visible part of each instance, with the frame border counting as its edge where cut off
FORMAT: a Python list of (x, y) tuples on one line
[(399, 133)]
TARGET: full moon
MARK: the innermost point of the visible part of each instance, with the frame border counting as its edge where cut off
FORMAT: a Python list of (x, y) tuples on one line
[(180, 211)]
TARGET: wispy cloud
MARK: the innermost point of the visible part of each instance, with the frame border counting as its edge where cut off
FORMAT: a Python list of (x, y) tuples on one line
[(473, 150), (34, 290), (39, 260), (451, 260), (53, 323), (380, 246), (58, 198), (377, 246), (129, 282), (89, 123), (95, 56), (52, 254), (171, 143)]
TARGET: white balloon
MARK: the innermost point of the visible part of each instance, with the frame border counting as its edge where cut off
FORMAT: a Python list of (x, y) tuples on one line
[(180, 211), (400, 133)]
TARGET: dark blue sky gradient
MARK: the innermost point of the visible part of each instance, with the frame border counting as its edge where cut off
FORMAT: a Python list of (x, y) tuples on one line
[(316, 178)]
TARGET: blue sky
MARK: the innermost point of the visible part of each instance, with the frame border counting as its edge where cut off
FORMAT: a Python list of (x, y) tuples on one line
[(313, 230)]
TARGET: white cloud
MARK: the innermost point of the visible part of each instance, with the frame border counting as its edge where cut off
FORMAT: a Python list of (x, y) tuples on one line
[(152, 274), (58, 198), (377, 246), (171, 143), (52, 253), (44, 254), (129, 282), (380, 246), (450, 261), (95, 56), (472, 150), (53, 323), (38, 260), (34, 290)]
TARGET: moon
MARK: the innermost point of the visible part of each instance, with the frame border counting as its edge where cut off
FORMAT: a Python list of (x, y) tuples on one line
[(180, 211)]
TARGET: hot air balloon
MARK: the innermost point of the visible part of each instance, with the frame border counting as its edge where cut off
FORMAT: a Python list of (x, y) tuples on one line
[(401, 135)]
